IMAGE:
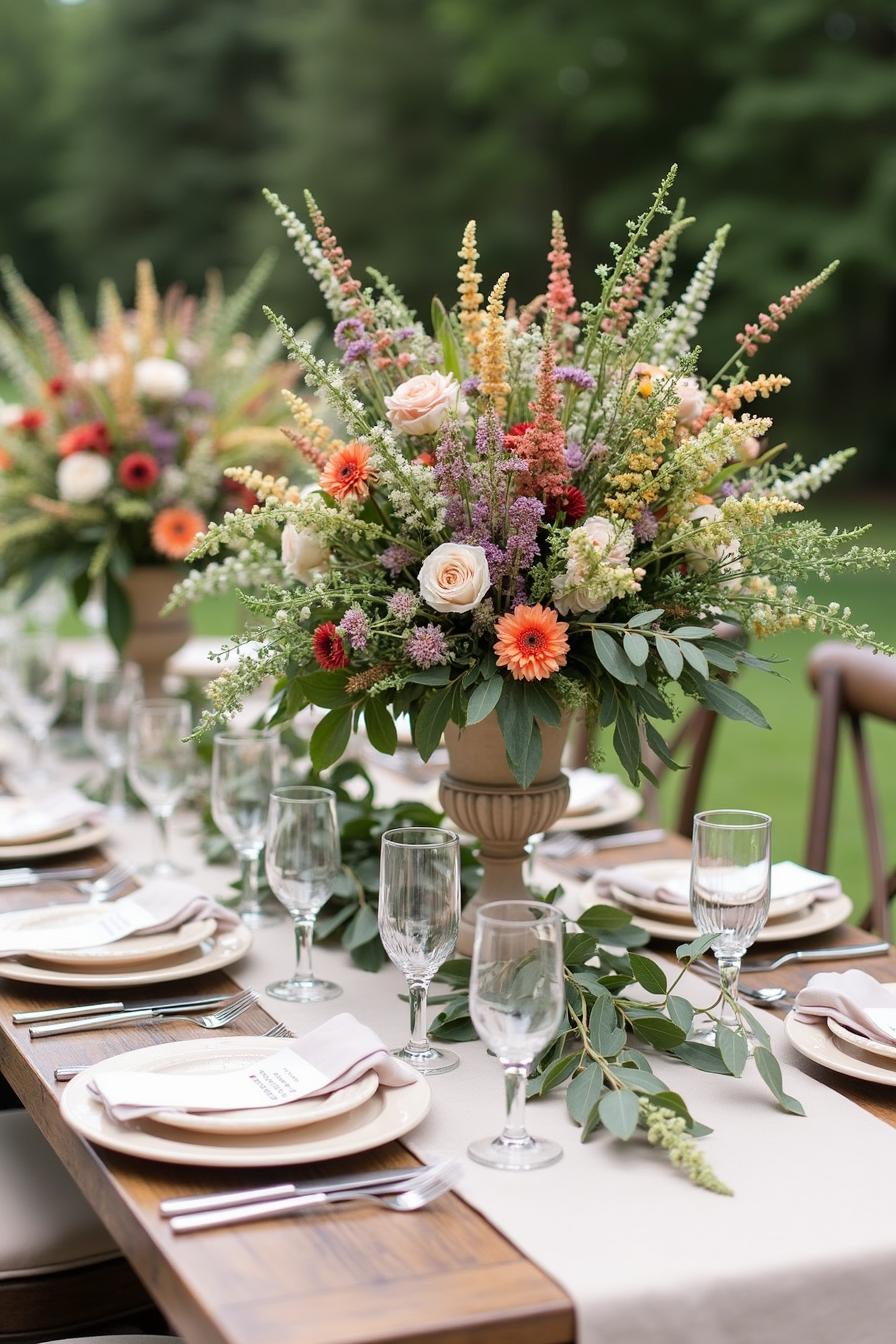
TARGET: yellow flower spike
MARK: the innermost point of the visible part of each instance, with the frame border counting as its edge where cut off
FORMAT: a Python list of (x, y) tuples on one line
[(147, 304), (308, 423), (265, 486), (470, 295), (493, 365)]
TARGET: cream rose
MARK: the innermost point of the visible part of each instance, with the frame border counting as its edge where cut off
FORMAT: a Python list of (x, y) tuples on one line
[(691, 400), (727, 555), (422, 404), (608, 539), (454, 577), (303, 553), (82, 477), (160, 379)]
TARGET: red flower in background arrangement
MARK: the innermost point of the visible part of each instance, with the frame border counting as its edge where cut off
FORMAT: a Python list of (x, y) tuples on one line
[(425, 459), (240, 496), (92, 437), (516, 432), (30, 421), (328, 647), (570, 502), (138, 471), (56, 387)]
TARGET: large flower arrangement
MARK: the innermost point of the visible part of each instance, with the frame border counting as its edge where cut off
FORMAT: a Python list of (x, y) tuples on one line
[(536, 507), (111, 456)]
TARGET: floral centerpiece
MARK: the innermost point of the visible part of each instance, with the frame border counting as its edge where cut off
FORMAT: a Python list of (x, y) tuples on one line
[(111, 457), (535, 508)]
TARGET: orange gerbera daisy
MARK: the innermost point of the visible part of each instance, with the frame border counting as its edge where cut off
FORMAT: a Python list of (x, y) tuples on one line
[(347, 472), (174, 530), (531, 642)]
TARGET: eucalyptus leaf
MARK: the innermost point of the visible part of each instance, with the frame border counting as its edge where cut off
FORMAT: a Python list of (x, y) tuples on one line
[(670, 656), (725, 700), (558, 1073), (599, 919), (707, 1058), (611, 657), (770, 1073), (695, 656), (733, 1048), (680, 1011), (690, 951), (381, 730), (659, 1032), (331, 737), (483, 699), (636, 647), (645, 617), (584, 1092), (648, 974), (619, 1112)]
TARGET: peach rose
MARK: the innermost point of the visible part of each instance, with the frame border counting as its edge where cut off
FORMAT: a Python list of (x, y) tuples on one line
[(422, 404), (454, 577), (691, 399)]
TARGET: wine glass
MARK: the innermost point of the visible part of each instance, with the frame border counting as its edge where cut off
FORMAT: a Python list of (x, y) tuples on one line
[(419, 915), (108, 697), (244, 771), (35, 692), (730, 890), (159, 761), (517, 1002), (302, 858)]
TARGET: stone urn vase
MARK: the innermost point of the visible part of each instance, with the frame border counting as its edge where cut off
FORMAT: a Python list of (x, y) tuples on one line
[(153, 638), (479, 793)]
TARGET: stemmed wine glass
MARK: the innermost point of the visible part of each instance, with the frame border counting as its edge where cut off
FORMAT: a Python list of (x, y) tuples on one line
[(244, 771), (730, 890), (108, 697), (419, 915), (159, 761), (35, 692), (301, 858), (517, 1001)]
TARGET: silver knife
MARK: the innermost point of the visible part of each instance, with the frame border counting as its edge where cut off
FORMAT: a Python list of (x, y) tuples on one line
[(29, 877), (87, 1009), (169, 1208), (100, 1021)]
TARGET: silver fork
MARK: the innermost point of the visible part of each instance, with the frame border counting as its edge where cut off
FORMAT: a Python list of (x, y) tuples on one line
[(429, 1188), (279, 1030), (222, 1017), (66, 1072), (105, 886)]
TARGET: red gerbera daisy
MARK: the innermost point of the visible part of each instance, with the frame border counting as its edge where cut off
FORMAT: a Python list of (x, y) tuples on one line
[(138, 471), (55, 387), (328, 647), (92, 437), (30, 421), (570, 502)]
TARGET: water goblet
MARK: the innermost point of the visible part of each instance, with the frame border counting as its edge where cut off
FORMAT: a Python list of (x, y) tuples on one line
[(35, 693), (419, 916), (517, 1002), (159, 760), (730, 890), (108, 697), (244, 771), (302, 857)]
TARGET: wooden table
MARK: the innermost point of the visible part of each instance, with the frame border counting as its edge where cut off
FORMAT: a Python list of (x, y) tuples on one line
[(352, 1277)]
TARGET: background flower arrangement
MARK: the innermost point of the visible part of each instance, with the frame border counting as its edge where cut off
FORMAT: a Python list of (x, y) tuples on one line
[(112, 457), (539, 508)]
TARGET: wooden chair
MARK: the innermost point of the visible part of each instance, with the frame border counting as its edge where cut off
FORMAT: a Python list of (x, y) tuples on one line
[(853, 684)]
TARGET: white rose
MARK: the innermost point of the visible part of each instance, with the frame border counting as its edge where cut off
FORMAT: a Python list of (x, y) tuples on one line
[(302, 553), (608, 539), (10, 414), (82, 477), (691, 400), (574, 601), (422, 404), (454, 577), (160, 379), (727, 554), (97, 370)]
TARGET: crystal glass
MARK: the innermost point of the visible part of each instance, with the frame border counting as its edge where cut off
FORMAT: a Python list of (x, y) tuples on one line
[(244, 771), (159, 761), (419, 916), (108, 697), (301, 859), (730, 888), (35, 693), (517, 1002)]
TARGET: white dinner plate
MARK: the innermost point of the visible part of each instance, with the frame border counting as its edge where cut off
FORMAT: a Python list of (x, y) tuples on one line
[(624, 804), (663, 869), (10, 805), (389, 1113), (855, 1038), (135, 950), (817, 918), (221, 950), (84, 836), (813, 1040)]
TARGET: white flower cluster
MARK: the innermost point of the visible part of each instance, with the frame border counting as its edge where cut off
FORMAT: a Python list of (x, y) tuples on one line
[(805, 483), (309, 250), (597, 567), (250, 568), (685, 321)]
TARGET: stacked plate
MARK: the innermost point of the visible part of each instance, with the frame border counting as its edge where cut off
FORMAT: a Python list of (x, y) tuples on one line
[(843, 1049), (352, 1120), (791, 917), (27, 830), (597, 801), (192, 949)]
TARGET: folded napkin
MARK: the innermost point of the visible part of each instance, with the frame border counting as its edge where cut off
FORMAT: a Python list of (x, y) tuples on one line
[(787, 879), (854, 999), (156, 908), (325, 1060), (21, 817), (589, 789)]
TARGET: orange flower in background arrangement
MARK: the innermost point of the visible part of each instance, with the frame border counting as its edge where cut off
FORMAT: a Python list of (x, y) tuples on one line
[(347, 473), (531, 642), (5, 460), (174, 530)]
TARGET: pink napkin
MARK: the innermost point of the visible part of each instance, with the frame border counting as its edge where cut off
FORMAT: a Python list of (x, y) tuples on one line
[(325, 1060), (854, 999), (24, 816)]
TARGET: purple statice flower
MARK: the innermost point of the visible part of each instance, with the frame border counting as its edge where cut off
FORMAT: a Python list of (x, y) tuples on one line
[(452, 470), (356, 627), (578, 378), (729, 489), (496, 559), (199, 398), (357, 350), (396, 557), (489, 435), (646, 527), (427, 646), (349, 329), (403, 605), (523, 517), (403, 334), (511, 465), (162, 439), (598, 449), (470, 387), (575, 458)]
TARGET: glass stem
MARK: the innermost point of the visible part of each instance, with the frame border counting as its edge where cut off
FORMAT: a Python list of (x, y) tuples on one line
[(729, 971), (249, 904), (418, 1044), (304, 939), (117, 796), (161, 820), (515, 1103), (39, 742)]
